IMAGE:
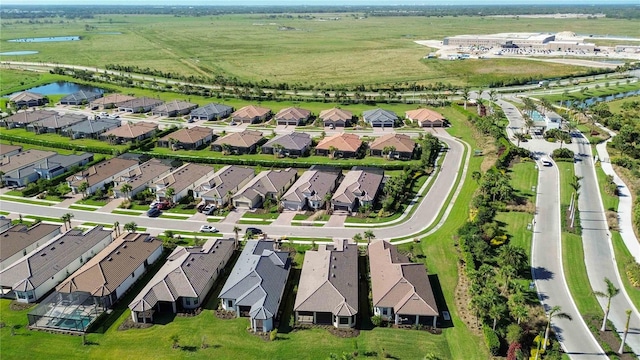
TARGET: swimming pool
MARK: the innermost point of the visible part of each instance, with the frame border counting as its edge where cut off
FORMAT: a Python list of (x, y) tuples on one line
[(536, 116)]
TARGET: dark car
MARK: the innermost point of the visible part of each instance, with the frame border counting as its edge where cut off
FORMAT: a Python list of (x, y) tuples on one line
[(154, 212), (252, 231)]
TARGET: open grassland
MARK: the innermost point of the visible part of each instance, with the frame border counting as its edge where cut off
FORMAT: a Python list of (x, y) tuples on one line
[(256, 47), (616, 105)]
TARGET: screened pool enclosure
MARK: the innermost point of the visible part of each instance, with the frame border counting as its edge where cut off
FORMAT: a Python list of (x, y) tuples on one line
[(69, 312)]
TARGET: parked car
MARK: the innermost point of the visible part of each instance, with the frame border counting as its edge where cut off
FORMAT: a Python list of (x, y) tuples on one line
[(209, 209), (208, 228), (154, 212), (252, 231)]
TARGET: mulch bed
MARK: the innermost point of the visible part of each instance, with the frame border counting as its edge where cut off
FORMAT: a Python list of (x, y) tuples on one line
[(129, 324), (341, 333), (18, 306), (189, 313), (608, 337), (225, 314)]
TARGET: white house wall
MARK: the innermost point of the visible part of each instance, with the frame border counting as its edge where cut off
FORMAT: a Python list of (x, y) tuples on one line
[(10, 260)]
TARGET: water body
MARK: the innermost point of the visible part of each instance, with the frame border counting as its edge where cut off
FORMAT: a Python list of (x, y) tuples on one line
[(24, 52), (61, 88), (46, 39), (594, 100)]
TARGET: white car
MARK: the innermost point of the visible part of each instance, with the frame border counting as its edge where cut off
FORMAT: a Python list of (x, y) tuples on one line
[(208, 228)]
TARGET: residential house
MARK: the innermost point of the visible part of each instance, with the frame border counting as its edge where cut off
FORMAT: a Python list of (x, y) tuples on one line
[(311, 190), (27, 99), (184, 280), (380, 118), (97, 176), (55, 124), (109, 274), (139, 105), (187, 138), (182, 180), (358, 188), (130, 132), (46, 168), (245, 142), (269, 184), (28, 279), (174, 108), (401, 290), (336, 117), (396, 146), (22, 118), (210, 112), (292, 116), (140, 178), (328, 288), (341, 145), (426, 118), (19, 240), (225, 182), (14, 167), (92, 129), (251, 114), (256, 284), (5, 224), (291, 144), (81, 97), (110, 101), (9, 150)]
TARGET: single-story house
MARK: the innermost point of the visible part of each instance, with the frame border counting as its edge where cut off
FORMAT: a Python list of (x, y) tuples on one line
[(187, 138), (341, 145), (256, 284), (401, 290), (59, 164), (24, 159), (184, 281), (380, 118), (187, 177), (110, 101), (27, 99), (310, 190), (336, 117), (251, 114), (109, 274), (22, 118), (140, 178), (97, 176), (426, 118), (174, 108), (91, 129), (292, 116), (244, 142), (268, 184), (139, 105), (80, 98), (19, 240), (210, 112), (55, 124), (5, 224), (291, 144), (397, 146), (328, 288), (130, 132), (7, 150), (358, 188), (28, 279), (225, 182)]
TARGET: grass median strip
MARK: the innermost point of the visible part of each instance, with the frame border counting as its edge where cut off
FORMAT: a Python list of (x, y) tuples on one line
[(25, 201), (127, 212), (85, 208)]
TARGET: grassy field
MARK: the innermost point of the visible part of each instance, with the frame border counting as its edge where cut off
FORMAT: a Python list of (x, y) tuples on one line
[(257, 47), (592, 92), (616, 105), (21, 132)]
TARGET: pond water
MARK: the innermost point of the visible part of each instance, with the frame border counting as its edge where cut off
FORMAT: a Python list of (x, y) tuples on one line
[(23, 52), (61, 87), (593, 100), (47, 39)]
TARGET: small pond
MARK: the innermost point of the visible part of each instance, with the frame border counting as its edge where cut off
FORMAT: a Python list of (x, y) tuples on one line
[(23, 52), (46, 39), (591, 101), (61, 88)]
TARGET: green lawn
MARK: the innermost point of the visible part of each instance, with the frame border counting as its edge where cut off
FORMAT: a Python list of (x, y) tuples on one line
[(264, 216), (524, 176), (516, 226), (174, 217), (23, 133), (92, 202), (126, 212), (43, 218), (624, 257), (255, 222), (80, 207), (610, 202), (26, 201), (602, 91)]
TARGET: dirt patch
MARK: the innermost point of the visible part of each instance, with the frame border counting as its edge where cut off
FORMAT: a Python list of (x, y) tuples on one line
[(608, 339), (18, 306), (130, 324)]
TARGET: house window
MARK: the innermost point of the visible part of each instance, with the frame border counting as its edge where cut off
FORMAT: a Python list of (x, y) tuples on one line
[(344, 321), (384, 311), (230, 303), (133, 275), (31, 296), (21, 295), (195, 301), (187, 301)]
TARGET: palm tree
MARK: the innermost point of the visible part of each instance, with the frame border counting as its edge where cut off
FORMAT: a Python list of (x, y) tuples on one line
[(116, 228), (465, 96), (546, 104), (84, 186), (528, 122), (1, 178), (131, 226), (555, 312), (126, 189), (610, 292), (226, 149), (332, 151), (66, 218), (168, 194), (327, 201), (476, 176), (626, 331), (496, 311), (519, 137), (236, 230), (369, 235), (357, 238)]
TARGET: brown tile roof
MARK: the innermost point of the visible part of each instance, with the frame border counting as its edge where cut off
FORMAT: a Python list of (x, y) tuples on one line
[(189, 135), (424, 115), (336, 114), (360, 184), (59, 121), (342, 142), (5, 149), (175, 105), (140, 102), (112, 99), (183, 177), (292, 113), (143, 174), (102, 275), (19, 237), (246, 138), (24, 158), (131, 131), (401, 142), (26, 96), (329, 279), (101, 171), (251, 111), (398, 283), (26, 117)]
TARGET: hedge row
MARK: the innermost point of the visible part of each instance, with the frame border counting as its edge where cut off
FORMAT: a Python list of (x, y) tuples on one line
[(58, 145), (491, 339)]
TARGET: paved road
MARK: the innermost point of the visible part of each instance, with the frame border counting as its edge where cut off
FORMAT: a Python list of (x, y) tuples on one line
[(598, 250)]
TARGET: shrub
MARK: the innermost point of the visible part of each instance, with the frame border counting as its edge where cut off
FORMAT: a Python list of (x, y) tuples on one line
[(563, 153), (633, 273), (376, 320), (273, 335), (491, 339), (514, 334)]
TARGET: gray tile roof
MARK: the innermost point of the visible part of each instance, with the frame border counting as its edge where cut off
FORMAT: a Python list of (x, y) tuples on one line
[(19, 237), (51, 164), (185, 274), (313, 185), (141, 102), (379, 115), (266, 182), (39, 266), (81, 96), (226, 179), (258, 279), (212, 110), (291, 141), (97, 126), (143, 174), (358, 184), (58, 121), (26, 117), (329, 279), (175, 105)]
